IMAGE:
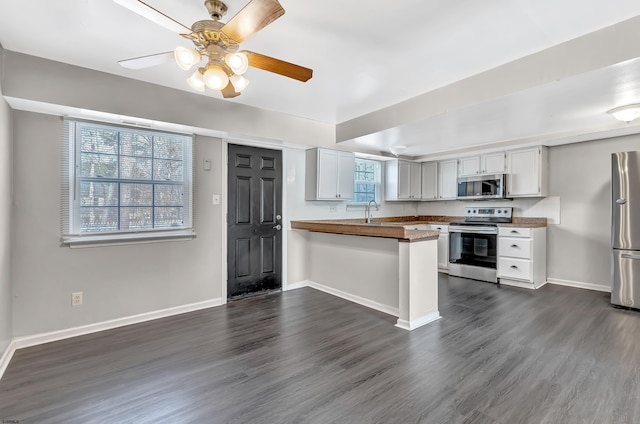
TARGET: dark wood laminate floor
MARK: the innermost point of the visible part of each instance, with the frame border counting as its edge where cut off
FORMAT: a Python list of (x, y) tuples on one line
[(498, 355)]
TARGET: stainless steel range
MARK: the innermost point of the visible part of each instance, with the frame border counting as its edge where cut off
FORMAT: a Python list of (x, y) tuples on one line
[(473, 244)]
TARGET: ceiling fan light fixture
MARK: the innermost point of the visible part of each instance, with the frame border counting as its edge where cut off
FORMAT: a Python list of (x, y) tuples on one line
[(196, 81), (239, 82), (215, 78), (238, 62), (186, 58), (626, 113)]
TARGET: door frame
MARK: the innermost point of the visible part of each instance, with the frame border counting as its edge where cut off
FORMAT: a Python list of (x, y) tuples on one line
[(225, 203)]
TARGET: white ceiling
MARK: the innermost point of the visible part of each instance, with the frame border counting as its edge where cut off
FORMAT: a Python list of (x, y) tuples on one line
[(365, 56)]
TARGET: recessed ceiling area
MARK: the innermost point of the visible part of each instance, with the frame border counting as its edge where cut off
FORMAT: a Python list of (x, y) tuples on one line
[(367, 57)]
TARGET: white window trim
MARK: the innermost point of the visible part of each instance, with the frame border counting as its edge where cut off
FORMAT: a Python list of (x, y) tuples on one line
[(70, 187)]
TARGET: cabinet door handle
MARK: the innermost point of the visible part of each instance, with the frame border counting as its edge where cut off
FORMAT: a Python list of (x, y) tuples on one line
[(515, 232), (513, 267), (515, 245)]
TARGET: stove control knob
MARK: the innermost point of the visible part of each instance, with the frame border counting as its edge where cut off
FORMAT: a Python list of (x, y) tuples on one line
[(499, 211)]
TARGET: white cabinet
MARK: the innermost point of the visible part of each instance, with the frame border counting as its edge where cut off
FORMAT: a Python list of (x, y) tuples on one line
[(527, 172), (469, 166), (429, 181), (329, 174), (447, 179), (522, 258), (443, 246), (493, 163), (490, 163), (403, 180)]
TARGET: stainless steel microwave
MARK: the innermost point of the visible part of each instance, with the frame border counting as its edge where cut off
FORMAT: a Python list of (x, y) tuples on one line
[(482, 187)]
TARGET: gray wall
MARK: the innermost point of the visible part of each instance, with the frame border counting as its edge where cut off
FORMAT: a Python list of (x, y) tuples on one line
[(117, 281), (578, 249), (6, 331)]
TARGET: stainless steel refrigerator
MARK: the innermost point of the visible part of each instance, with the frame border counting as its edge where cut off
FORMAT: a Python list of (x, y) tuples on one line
[(625, 229)]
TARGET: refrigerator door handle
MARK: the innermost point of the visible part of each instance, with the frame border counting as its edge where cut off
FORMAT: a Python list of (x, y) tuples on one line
[(621, 201), (629, 256)]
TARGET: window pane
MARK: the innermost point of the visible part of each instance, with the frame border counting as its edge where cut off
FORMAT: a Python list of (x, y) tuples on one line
[(98, 194), (98, 220), (132, 218), (97, 165), (167, 148), (168, 195), (136, 194), (167, 170), (99, 140), (168, 217), (135, 168), (132, 144), (109, 158)]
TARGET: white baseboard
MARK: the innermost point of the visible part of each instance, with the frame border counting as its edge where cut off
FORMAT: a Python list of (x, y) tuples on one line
[(298, 285), (356, 299), (579, 285), (36, 339), (412, 325), (6, 357)]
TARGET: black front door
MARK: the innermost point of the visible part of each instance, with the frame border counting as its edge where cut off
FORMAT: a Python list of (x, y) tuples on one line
[(254, 221)]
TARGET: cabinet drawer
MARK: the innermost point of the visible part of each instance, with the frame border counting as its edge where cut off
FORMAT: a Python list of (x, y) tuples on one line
[(442, 228), (519, 269), (515, 247), (515, 232), (417, 227)]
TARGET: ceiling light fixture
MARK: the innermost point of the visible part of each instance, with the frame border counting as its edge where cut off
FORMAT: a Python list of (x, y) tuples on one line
[(626, 113), (196, 81), (218, 44), (397, 150)]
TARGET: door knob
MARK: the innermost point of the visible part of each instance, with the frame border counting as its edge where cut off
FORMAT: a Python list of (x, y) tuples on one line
[(621, 201), (278, 227)]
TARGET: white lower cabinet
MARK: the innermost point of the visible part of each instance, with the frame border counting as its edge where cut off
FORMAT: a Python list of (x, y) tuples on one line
[(443, 246), (522, 259)]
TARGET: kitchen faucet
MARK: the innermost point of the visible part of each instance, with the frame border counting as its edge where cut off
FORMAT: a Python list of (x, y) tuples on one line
[(367, 210)]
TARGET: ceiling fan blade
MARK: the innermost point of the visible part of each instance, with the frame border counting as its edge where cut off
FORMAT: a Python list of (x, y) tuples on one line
[(278, 66), (154, 15), (146, 61), (229, 91), (256, 15)]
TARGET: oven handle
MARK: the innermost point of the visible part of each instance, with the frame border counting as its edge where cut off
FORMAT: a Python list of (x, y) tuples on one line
[(472, 230)]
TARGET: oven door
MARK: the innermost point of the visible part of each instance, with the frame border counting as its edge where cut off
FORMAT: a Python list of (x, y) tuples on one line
[(474, 246)]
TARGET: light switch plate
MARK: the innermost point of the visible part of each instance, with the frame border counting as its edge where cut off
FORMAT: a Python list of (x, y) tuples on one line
[(216, 199), (206, 164)]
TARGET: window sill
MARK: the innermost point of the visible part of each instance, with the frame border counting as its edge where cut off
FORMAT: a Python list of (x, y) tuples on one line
[(98, 240)]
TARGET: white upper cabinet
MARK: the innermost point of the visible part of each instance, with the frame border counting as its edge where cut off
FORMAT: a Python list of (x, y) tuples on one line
[(469, 166), (447, 179), (490, 163), (527, 172), (329, 174), (403, 180), (430, 181), (493, 163)]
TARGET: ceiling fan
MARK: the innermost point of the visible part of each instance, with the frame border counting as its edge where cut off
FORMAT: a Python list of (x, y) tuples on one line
[(219, 44)]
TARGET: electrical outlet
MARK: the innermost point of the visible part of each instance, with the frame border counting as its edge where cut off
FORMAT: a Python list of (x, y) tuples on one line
[(332, 209), (76, 299)]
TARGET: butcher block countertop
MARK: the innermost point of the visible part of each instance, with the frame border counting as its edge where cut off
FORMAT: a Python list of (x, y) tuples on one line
[(394, 227), (377, 228)]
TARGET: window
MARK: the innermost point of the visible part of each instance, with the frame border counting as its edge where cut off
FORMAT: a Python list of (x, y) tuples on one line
[(366, 181), (125, 183)]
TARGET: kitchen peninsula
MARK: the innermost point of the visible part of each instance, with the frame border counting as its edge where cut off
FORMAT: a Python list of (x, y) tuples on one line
[(385, 264)]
